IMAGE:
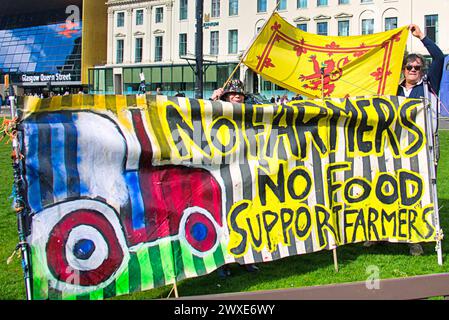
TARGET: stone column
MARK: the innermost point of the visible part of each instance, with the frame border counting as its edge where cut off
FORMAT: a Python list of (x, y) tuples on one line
[(128, 58), (170, 39), (147, 45), (111, 44)]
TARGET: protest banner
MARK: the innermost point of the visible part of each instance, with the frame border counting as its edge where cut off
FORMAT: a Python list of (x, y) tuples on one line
[(130, 193)]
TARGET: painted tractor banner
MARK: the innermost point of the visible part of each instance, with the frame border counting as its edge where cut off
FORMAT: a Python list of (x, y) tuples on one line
[(130, 193)]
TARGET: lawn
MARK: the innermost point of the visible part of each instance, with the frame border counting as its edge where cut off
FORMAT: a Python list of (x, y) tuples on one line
[(392, 261)]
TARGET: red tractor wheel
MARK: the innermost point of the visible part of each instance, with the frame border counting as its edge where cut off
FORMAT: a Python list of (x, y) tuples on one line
[(85, 247), (199, 230)]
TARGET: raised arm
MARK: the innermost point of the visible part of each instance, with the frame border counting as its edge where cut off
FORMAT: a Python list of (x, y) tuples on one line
[(435, 70)]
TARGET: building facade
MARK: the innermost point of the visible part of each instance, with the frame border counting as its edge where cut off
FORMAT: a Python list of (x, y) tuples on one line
[(156, 38)]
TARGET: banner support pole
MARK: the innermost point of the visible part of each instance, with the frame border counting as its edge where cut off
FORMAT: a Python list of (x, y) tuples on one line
[(334, 250), (22, 245), (175, 287), (433, 166), (175, 290)]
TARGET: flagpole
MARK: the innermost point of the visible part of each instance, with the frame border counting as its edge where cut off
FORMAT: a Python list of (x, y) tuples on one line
[(433, 166), (334, 250), (247, 50)]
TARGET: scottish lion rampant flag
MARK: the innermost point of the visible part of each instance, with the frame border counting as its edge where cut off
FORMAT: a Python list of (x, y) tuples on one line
[(322, 66)]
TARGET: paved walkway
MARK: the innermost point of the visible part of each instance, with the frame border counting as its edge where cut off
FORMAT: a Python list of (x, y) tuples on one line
[(444, 124)]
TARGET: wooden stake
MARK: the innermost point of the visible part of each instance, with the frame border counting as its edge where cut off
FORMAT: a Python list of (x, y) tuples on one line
[(334, 251), (175, 287), (175, 290)]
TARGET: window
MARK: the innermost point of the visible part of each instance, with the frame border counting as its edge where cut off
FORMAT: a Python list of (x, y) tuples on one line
[(139, 50), (301, 4), (119, 52), (320, 3), (343, 28), (321, 28), (366, 1), (233, 41), (261, 5), (182, 9), (233, 7), (120, 19), (214, 43), (343, 1), (159, 15), (302, 26), (367, 26), (158, 48), (432, 27), (391, 23), (139, 17), (182, 44), (215, 8), (282, 4)]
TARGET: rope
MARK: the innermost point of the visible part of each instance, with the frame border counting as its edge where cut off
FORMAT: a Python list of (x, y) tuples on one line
[(8, 129), (439, 235), (438, 98), (359, 87), (16, 251)]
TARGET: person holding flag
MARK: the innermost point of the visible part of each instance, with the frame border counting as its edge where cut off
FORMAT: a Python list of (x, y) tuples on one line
[(413, 68), (233, 92)]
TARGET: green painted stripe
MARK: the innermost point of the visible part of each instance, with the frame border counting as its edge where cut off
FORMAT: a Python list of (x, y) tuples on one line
[(54, 294), (40, 287), (187, 259), (199, 265), (122, 283), (97, 294), (83, 296), (168, 264), (218, 256), (134, 273), (68, 296), (177, 256), (209, 262), (156, 265), (109, 291), (146, 269)]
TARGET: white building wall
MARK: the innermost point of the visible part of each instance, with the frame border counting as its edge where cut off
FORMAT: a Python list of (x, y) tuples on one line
[(248, 20)]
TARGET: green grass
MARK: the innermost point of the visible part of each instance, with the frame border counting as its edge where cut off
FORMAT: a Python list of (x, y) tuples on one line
[(393, 260)]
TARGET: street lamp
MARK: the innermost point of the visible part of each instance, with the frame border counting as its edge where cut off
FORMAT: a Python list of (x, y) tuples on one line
[(199, 49)]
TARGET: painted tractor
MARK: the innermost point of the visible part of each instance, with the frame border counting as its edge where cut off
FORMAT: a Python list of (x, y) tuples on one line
[(85, 240)]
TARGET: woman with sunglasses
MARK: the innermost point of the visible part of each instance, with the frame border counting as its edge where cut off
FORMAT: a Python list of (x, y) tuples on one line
[(413, 69), (412, 86)]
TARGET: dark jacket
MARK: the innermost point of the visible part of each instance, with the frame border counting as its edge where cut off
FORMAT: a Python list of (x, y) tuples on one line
[(433, 74)]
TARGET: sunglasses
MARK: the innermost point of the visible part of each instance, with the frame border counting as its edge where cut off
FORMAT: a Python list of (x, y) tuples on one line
[(409, 67)]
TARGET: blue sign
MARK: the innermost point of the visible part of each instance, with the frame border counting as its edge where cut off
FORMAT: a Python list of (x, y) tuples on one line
[(444, 90)]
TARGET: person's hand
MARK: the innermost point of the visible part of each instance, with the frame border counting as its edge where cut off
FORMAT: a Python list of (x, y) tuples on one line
[(217, 94), (416, 31)]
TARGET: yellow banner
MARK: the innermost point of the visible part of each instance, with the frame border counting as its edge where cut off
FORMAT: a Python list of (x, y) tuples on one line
[(322, 66)]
